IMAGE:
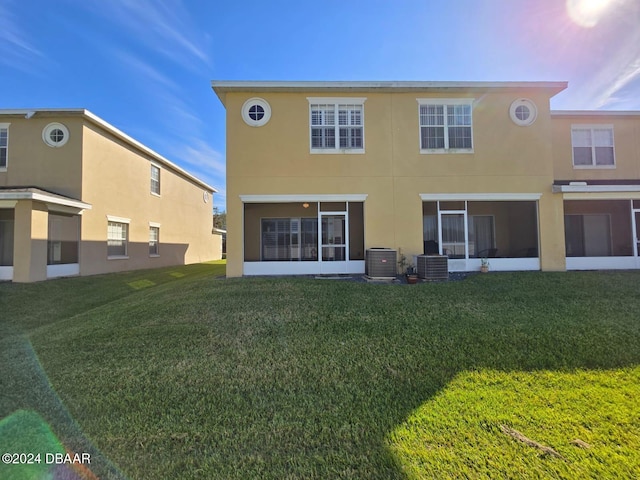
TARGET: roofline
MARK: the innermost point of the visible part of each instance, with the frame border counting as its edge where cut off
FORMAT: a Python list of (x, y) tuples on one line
[(221, 87), (114, 131), (594, 113)]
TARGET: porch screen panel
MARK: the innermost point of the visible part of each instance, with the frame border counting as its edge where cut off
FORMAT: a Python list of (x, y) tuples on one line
[(587, 235), (597, 235), (453, 239), (481, 235), (289, 239), (276, 238), (309, 239), (6, 239), (64, 235)]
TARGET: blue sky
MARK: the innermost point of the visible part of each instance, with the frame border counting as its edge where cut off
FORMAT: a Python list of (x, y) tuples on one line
[(145, 66)]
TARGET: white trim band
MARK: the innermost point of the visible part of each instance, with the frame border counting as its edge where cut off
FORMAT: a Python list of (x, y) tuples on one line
[(480, 196), (595, 188), (303, 198)]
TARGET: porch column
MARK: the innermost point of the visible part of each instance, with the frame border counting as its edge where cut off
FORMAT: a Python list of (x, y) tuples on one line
[(552, 246), (31, 230), (235, 236)]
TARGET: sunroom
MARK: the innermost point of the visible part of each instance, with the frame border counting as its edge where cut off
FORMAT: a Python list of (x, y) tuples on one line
[(303, 234), (501, 228)]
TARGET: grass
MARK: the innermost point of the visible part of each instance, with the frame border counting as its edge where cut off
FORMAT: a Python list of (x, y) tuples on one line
[(176, 373)]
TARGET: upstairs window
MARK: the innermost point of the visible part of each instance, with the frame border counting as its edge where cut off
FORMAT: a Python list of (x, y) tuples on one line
[(592, 146), (4, 145), (445, 126), (155, 179), (337, 125)]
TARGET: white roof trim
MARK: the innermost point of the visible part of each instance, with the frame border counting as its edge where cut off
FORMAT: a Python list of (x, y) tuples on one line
[(487, 197), (595, 188), (594, 113), (43, 197), (220, 87), (232, 84), (303, 198)]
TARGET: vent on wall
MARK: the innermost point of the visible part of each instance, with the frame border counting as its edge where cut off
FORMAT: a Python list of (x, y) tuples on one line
[(380, 263), (433, 267)]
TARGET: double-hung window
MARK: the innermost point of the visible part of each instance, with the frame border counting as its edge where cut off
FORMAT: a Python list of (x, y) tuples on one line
[(155, 179), (117, 237), (592, 146), (446, 125), (4, 145), (336, 125), (154, 239)]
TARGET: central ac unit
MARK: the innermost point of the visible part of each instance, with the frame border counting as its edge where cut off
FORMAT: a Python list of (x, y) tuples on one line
[(380, 263), (433, 267)]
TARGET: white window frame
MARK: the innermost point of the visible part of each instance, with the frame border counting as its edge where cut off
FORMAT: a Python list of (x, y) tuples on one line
[(52, 127), (592, 127), (154, 226), (5, 126), (152, 180), (336, 103), (444, 102), (250, 117), (122, 221)]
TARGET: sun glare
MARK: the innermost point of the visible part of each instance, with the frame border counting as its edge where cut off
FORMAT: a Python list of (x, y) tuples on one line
[(587, 13)]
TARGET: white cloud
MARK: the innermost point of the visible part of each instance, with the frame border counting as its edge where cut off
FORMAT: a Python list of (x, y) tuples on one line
[(142, 68), (201, 155), (15, 48), (164, 26)]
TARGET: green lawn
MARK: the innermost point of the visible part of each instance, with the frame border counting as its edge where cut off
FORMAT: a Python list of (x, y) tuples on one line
[(178, 373)]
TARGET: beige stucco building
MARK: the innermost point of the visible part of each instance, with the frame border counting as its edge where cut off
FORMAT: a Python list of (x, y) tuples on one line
[(320, 172), (80, 197)]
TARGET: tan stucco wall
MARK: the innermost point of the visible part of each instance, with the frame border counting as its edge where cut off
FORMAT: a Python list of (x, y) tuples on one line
[(275, 159), (33, 163), (626, 135), (116, 181)]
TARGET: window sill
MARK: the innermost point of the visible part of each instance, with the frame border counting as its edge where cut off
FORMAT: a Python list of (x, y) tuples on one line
[(339, 151), (3, 169), (155, 194), (436, 151), (154, 255), (118, 257), (594, 167)]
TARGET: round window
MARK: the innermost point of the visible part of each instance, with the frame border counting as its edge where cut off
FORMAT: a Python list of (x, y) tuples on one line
[(523, 112), (256, 112), (55, 135)]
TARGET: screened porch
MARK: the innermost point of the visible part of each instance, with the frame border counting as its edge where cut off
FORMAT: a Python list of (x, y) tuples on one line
[(303, 237), (505, 232), (602, 234)]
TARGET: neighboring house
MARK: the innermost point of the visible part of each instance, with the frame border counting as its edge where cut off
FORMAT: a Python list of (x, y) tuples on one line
[(319, 172), (80, 197)]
